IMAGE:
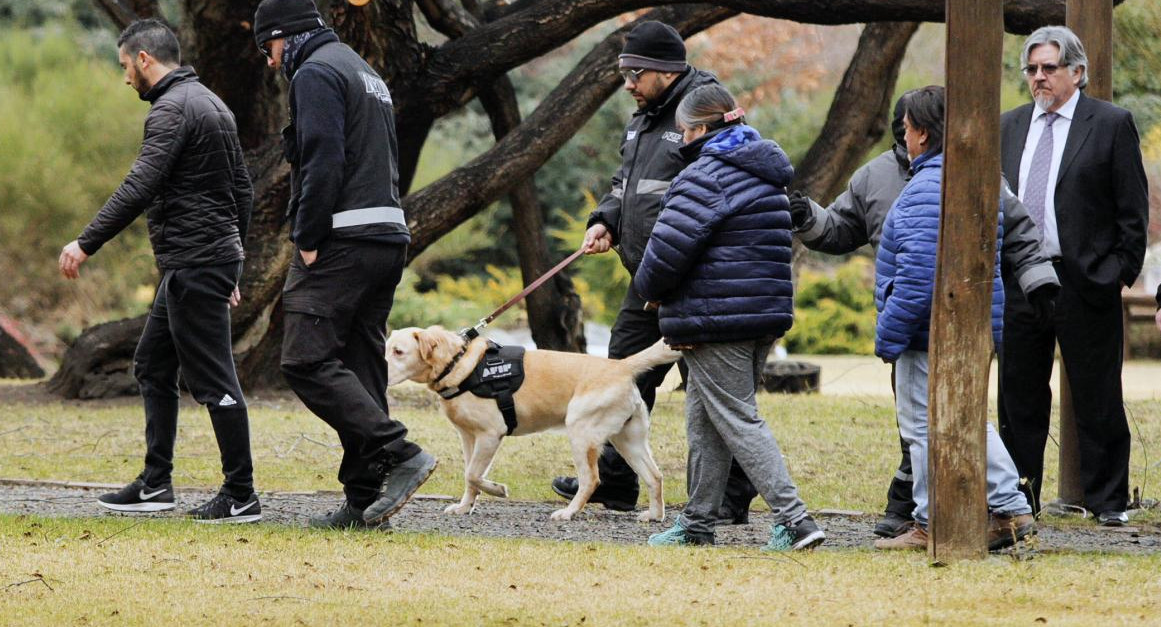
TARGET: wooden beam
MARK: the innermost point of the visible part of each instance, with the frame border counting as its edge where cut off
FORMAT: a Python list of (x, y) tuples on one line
[(1092, 21), (961, 331)]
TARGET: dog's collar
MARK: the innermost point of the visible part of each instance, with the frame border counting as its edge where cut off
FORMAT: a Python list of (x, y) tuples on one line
[(446, 371)]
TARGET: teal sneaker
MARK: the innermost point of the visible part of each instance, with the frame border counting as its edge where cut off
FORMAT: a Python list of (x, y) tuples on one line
[(800, 536), (677, 535)]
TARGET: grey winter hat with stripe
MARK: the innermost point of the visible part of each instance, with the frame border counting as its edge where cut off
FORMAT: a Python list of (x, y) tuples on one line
[(654, 46)]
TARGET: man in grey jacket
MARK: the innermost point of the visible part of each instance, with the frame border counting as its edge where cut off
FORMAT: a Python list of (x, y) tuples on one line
[(657, 77), (191, 177), (856, 218)]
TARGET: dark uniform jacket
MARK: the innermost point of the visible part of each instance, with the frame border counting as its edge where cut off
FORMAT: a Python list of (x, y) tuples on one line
[(650, 159), (342, 149), (190, 176)]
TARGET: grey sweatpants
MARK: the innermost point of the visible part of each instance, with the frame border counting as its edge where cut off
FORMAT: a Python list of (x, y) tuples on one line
[(722, 423)]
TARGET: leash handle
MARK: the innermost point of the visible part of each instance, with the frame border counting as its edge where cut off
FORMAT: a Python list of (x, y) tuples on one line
[(471, 333)]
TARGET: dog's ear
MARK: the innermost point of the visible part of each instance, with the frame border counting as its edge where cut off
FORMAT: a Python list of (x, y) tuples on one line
[(427, 342)]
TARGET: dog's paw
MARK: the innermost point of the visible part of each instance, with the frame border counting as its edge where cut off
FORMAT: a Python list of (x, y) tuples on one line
[(492, 488), (561, 514), (649, 516), (459, 509)]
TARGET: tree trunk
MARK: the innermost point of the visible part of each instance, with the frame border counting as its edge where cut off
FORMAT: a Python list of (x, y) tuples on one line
[(554, 310), (859, 113), (427, 82), (16, 360)]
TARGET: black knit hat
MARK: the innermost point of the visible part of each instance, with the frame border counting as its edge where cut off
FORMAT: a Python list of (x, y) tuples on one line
[(654, 46), (281, 18)]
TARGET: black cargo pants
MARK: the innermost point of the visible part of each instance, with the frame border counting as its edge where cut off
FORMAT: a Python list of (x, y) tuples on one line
[(333, 354)]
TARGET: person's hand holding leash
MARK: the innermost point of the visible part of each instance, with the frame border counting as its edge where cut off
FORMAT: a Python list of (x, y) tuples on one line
[(597, 240), (71, 258)]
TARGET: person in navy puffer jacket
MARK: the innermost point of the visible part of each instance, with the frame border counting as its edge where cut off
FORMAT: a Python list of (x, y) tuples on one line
[(718, 265), (904, 285)]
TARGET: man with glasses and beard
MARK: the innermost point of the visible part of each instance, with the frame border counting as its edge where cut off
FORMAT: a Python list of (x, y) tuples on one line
[(657, 76), (1076, 162)]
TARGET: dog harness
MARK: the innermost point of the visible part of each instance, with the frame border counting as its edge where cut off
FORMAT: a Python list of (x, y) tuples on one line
[(498, 375)]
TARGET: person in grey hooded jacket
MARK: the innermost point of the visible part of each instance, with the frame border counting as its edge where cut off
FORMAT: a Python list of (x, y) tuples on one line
[(856, 218)]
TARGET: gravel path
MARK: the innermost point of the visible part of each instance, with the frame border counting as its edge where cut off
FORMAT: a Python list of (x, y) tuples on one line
[(515, 519)]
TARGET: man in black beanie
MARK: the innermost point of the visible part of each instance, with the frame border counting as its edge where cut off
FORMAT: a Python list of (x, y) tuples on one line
[(351, 239), (657, 76)]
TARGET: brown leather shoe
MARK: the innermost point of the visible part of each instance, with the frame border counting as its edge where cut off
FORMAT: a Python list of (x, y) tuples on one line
[(913, 540), (1005, 530)]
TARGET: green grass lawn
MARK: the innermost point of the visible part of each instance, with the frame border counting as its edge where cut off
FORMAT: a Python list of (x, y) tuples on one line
[(77, 572), (841, 451)]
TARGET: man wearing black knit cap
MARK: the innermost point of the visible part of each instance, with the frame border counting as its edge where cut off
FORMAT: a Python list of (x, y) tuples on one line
[(351, 241), (657, 76)]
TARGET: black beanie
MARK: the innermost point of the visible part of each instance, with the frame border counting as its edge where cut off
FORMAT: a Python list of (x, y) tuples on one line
[(281, 18), (654, 46)]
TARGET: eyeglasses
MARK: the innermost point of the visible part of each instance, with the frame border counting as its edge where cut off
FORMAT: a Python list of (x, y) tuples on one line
[(264, 48), (632, 76), (1048, 68)]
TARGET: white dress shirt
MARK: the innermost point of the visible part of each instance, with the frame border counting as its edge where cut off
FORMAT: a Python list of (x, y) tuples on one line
[(1051, 242)]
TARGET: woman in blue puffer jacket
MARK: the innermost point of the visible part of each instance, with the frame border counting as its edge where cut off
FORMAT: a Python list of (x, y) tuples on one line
[(718, 264), (904, 287)]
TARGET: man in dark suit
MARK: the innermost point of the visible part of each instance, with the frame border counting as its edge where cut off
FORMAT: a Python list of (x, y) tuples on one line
[(1077, 164)]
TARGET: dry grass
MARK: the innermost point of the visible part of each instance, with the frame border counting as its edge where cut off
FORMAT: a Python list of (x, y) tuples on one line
[(841, 450), (164, 572)]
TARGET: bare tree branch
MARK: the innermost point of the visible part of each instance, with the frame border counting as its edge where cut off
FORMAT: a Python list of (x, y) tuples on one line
[(447, 17), (504, 43), (851, 126), (441, 206)]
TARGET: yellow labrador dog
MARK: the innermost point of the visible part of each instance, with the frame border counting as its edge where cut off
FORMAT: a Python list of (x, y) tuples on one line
[(594, 399)]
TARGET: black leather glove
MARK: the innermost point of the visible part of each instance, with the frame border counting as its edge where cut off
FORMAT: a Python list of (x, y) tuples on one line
[(1043, 301), (800, 210)]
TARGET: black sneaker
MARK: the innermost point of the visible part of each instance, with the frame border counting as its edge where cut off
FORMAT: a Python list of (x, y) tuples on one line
[(1113, 518), (399, 484), (892, 525), (138, 497), (615, 498), (733, 515), (345, 517), (224, 508), (800, 536)]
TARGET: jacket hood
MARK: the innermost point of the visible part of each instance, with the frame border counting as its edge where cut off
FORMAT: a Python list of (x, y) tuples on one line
[(742, 147), (180, 75)]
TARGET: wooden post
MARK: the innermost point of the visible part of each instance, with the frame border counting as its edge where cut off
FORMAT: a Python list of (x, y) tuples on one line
[(961, 330), (1092, 21)]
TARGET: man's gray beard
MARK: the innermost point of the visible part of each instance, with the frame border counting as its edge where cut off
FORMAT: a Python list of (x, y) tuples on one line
[(1045, 102)]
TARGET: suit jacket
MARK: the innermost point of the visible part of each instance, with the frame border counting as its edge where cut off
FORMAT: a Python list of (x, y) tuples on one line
[(1102, 196)]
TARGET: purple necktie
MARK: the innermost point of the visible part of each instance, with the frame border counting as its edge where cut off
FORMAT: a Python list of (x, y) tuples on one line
[(1037, 187)]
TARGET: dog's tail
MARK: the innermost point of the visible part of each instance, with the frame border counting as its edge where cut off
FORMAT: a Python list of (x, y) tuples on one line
[(657, 355)]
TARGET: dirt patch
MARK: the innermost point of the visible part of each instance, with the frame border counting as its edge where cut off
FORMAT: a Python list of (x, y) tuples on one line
[(495, 518)]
